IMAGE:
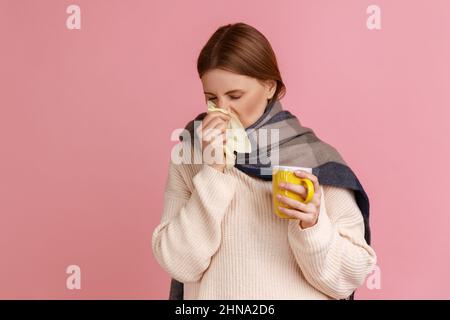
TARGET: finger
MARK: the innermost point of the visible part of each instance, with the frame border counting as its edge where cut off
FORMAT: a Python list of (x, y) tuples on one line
[(213, 115), (218, 140), (294, 204), (208, 122), (310, 176), (219, 123), (315, 200), (214, 122), (296, 188), (219, 128), (297, 205), (211, 124), (211, 133), (219, 131), (306, 217)]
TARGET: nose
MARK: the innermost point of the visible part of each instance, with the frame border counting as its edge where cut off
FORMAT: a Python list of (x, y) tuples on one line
[(224, 106)]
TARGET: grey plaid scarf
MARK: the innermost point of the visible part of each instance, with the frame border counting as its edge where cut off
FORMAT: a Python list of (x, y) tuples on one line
[(296, 146)]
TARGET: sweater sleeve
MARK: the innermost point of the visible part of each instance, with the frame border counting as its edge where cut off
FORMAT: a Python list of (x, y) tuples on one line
[(190, 230), (333, 254)]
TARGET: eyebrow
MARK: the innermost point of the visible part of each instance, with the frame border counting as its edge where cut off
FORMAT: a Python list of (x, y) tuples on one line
[(228, 92)]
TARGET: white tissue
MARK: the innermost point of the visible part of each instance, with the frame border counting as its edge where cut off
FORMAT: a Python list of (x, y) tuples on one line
[(237, 138)]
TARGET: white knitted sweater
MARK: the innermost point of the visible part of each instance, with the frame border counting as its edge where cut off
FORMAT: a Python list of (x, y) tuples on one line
[(219, 236)]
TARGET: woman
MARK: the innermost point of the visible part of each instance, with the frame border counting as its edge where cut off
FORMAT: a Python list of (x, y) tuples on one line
[(219, 237)]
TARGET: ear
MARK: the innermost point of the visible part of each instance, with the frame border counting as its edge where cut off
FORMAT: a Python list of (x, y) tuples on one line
[(271, 87)]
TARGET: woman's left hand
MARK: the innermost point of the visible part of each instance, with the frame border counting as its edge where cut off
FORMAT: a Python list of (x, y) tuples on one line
[(307, 213)]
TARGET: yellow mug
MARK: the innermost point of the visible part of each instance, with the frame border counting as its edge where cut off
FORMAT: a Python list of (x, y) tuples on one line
[(286, 174)]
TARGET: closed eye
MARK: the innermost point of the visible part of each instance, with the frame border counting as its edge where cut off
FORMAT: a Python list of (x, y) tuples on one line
[(231, 97)]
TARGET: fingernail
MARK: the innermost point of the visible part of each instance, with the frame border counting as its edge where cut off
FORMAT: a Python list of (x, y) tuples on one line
[(282, 184)]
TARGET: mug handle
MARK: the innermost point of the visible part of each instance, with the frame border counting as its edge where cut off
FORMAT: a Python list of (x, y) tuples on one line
[(309, 185)]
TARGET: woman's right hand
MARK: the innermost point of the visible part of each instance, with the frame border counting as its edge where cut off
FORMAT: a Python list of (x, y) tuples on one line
[(213, 128)]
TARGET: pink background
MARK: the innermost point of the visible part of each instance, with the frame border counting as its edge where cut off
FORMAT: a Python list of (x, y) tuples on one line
[(86, 117)]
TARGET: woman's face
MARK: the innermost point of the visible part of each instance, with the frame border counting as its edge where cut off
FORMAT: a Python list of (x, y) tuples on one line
[(245, 96)]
